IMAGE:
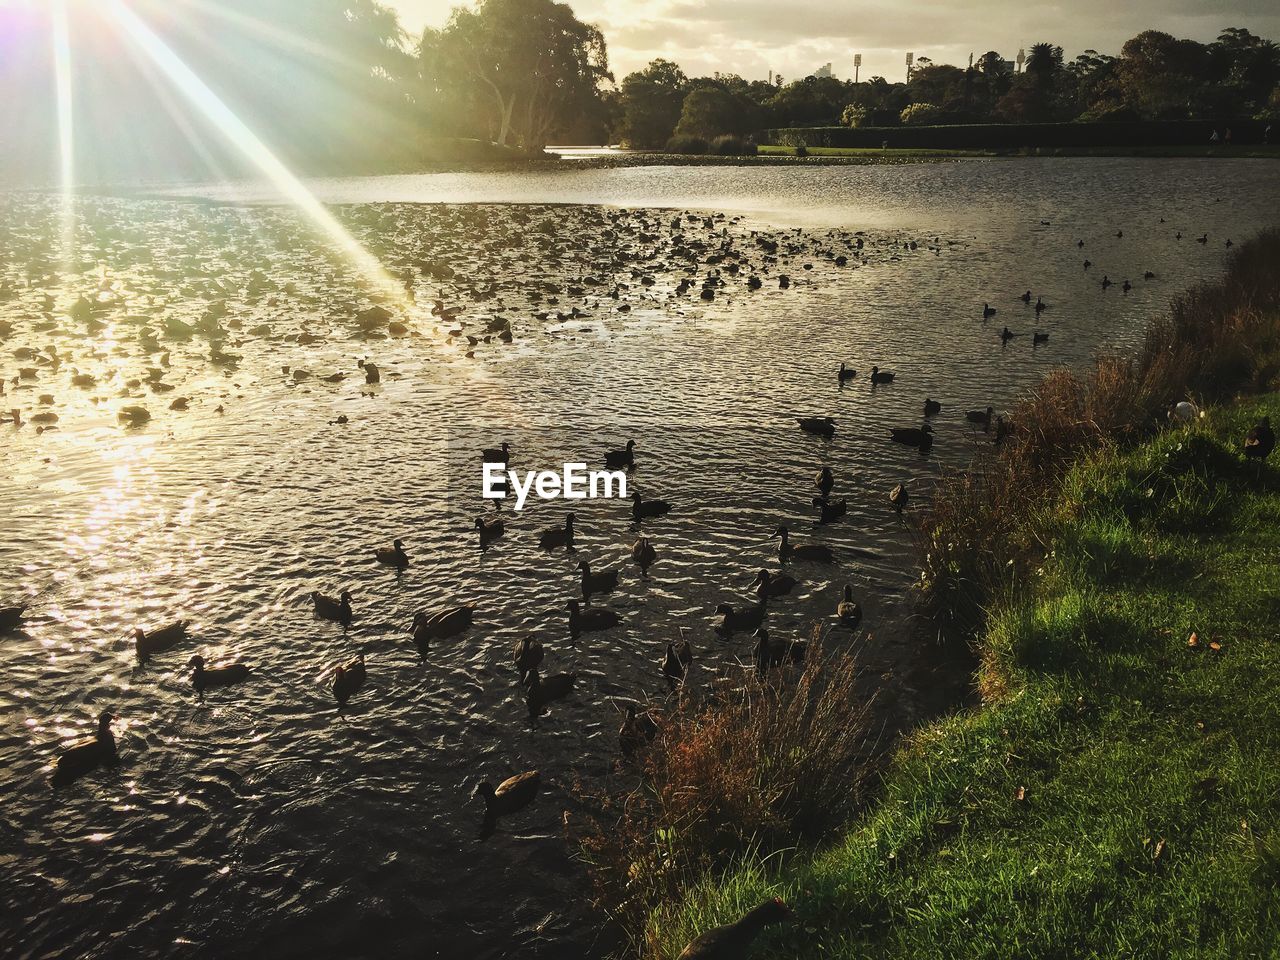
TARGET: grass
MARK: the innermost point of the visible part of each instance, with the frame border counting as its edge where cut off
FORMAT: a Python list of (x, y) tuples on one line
[(1120, 796), (1259, 151)]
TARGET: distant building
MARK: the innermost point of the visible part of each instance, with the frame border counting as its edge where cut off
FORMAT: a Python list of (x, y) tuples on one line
[(823, 72)]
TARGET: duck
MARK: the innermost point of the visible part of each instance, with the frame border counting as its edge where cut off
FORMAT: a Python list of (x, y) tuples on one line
[(675, 663), (511, 795), (499, 454), (825, 481), (639, 729), (767, 653), (1088, 263), (158, 641), (1006, 335), (1026, 297), (1203, 238), (921, 437), (603, 582), (848, 611), (988, 311), (830, 510), (819, 426), (540, 693), (814, 552), (881, 376), (558, 536), (222, 676), (1126, 286), (982, 417), (643, 553), (597, 618), (845, 374), (641, 509), (441, 624), (731, 620), (490, 529), (899, 496), (767, 585), (348, 678), (528, 657), (80, 758), (732, 941), (1041, 306), (327, 608), (1038, 337), (931, 407), (626, 457), (394, 555), (1260, 441), (1106, 281), (371, 372), (1148, 275), (11, 617)]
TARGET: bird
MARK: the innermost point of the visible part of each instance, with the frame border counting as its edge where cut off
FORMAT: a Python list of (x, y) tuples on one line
[(988, 311), (348, 678), (1260, 441), (732, 940), (1088, 263), (597, 618), (825, 481), (675, 663), (982, 417), (157, 641), (1183, 412), (880, 376), (641, 508), (371, 373), (643, 553), (1203, 238), (528, 657), (1039, 337), (764, 655), (80, 758), (511, 795), (748, 618), (499, 454), (223, 676), (1041, 306), (848, 611), (921, 437), (603, 582), (1148, 275), (845, 373), (554, 537), (490, 528), (899, 497), (1006, 335), (1106, 281), (1126, 286), (767, 585), (626, 457), (1026, 297), (931, 407), (830, 510), (638, 730), (815, 552), (441, 624), (328, 608), (819, 426), (394, 555), (539, 693), (11, 617)]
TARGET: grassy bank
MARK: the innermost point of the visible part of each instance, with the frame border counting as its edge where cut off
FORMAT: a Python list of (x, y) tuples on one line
[(1254, 152), (1115, 795)]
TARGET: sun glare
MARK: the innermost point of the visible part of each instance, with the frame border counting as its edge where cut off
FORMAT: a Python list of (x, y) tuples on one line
[(66, 142)]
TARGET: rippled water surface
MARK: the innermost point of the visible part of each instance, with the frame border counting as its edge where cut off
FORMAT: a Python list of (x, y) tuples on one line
[(259, 820)]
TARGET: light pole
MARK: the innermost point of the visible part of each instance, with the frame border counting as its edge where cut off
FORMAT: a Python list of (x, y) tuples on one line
[(857, 65), (910, 59), (1022, 58)]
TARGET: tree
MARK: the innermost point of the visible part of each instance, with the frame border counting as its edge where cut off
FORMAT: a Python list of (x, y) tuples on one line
[(1159, 74), (710, 110), (921, 114), (531, 62), (854, 115), (651, 103)]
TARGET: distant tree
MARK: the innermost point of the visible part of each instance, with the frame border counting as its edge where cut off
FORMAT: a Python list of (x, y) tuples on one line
[(531, 62), (1159, 74), (940, 84), (921, 114), (1044, 61), (990, 64), (710, 111), (651, 101), (854, 115)]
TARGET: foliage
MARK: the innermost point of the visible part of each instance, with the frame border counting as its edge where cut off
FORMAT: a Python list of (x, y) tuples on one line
[(854, 115), (921, 114), (686, 143)]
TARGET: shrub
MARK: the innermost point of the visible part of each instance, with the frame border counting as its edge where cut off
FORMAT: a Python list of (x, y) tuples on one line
[(731, 146), (801, 150), (921, 115), (682, 143), (854, 115)]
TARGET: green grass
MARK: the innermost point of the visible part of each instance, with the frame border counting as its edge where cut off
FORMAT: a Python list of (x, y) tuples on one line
[(1150, 821), (1248, 152), (870, 153)]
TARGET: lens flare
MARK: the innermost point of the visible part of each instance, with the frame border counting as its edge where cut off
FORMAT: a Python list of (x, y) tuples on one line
[(66, 132), (243, 139)]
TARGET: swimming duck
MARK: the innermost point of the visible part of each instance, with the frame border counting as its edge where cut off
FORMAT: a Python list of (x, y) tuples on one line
[(79, 759), (640, 509), (500, 454), (1039, 337), (1126, 286), (513, 794), (814, 552), (767, 653), (1041, 306), (11, 617), (988, 311), (1106, 281), (733, 941), (597, 618), (1026, 297), (1148, 275), (157, 641), (675, 664), (643, 553), (1006, 335), (825, 481), (557, 536), (880, 376), (626, 457), (830, 510), (931, 407), (371, 373), (440, 624), (490, 528), (982, 417), (603, 582), (746, 619), (899, 497), (1088, 264), (223, 676), (348, 678), (767, 585), (528, 657), (1260, 441), (328, 608), (540, 693), (921, 437), (848, 611), (638, 730), (1203, 238), (393, 556), (845, 373), (821, 426)]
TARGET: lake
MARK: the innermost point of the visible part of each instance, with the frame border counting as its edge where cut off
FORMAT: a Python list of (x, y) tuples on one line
[(260, 819)]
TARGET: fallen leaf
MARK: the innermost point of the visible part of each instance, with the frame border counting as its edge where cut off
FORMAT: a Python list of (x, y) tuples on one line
[(1020, 793), (1193, 641)]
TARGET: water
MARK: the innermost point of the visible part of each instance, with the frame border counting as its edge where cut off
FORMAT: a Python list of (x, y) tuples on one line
[(259, 820)]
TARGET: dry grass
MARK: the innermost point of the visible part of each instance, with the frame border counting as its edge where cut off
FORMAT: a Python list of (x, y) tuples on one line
[(1218, 340), (760, 765)]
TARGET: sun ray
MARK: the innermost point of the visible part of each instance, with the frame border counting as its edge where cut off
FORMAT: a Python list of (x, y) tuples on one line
[(66, 130)]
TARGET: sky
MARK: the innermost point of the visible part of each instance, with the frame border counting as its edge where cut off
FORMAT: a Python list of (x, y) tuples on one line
[(795, 37)]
